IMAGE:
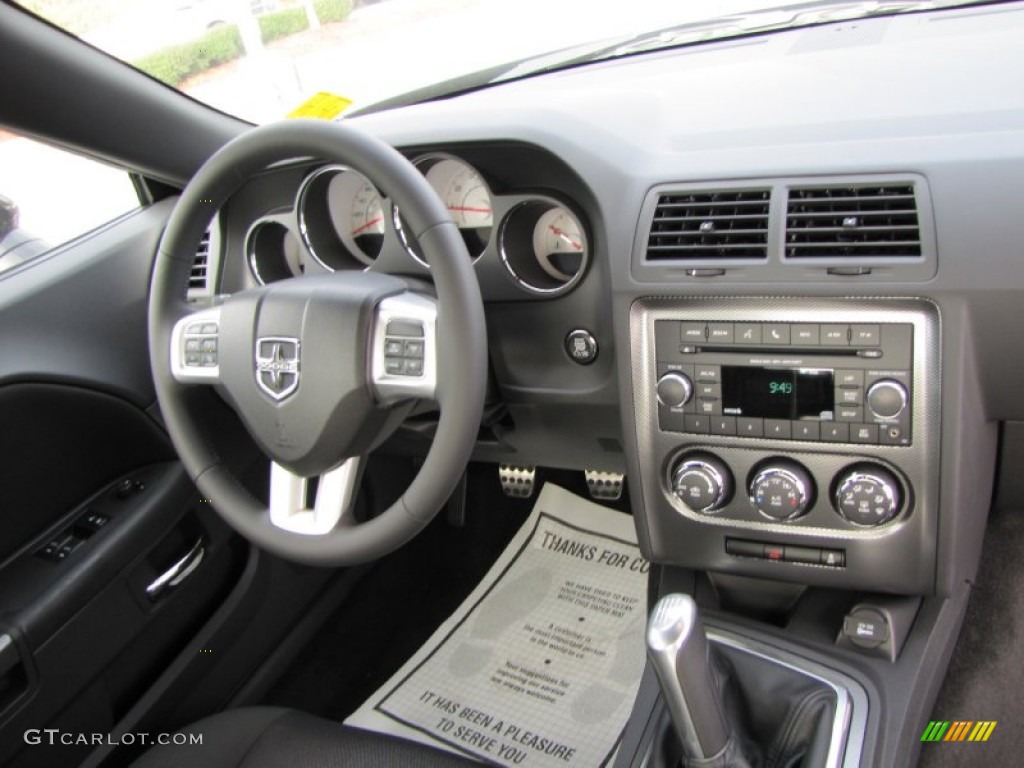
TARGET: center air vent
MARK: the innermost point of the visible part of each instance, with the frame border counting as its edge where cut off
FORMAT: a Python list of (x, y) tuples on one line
[(710, 225), (852, 222)]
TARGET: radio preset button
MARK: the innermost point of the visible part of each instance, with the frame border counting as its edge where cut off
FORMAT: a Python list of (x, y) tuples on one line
[(775, 333), (778, 428), (692, 333), (748, 333), (806, 335), (806, 430), (749, 426), (697, 424), (831, 432), (720, 333), (723, 425), (835, 335)]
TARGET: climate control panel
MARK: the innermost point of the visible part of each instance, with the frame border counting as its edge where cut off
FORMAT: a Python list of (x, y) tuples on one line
[(782, 490)]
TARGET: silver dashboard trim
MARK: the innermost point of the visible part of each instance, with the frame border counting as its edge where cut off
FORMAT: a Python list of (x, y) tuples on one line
[(919, 462)]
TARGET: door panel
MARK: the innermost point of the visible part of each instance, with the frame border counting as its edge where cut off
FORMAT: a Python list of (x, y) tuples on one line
[(94, 507)]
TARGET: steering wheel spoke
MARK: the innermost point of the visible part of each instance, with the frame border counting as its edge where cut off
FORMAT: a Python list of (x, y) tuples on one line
[(195, 341), (404, 356), (335, 498)]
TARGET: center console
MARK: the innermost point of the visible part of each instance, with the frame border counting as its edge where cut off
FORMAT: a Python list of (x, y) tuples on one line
[(790, 439)]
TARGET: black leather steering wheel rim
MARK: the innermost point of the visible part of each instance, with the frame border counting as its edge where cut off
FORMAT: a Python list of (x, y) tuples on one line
[(461, 334)]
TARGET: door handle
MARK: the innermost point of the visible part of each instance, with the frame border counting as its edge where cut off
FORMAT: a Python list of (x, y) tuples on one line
[(178, 572)]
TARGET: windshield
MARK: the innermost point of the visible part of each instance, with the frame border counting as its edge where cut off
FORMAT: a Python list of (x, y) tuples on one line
[(263, 59)]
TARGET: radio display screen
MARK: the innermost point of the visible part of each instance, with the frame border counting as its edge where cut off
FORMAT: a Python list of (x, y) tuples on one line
[(778, 393)]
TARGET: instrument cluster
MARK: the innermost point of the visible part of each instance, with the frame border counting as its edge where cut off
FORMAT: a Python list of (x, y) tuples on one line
[(341, 221)]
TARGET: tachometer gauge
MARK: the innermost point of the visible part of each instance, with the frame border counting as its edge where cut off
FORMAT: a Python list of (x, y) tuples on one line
[(559, 244), (362, 226), (341, 217)]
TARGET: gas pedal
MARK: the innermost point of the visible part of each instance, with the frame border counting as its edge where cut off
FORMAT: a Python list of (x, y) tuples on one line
[(517, 482), (604, 486)]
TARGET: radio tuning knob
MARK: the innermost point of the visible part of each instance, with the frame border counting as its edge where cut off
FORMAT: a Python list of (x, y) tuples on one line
[(702, 482), (868, 495), (887, 398), (674, 389), (782, 490)]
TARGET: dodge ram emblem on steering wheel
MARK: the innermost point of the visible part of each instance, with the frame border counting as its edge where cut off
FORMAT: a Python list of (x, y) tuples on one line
[(277, 366)]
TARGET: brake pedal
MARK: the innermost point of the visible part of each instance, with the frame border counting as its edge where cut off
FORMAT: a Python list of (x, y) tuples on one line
[(604, 486), (517, 482)]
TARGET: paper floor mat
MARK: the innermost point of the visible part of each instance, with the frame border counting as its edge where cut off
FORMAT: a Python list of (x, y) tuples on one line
[(539, 666)]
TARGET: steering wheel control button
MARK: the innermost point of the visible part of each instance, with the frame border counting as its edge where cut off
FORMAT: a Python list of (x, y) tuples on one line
[(702, 482), (674, 389), (868, 496), (581, 346), (403, 356), (782, 490), (887, 398)]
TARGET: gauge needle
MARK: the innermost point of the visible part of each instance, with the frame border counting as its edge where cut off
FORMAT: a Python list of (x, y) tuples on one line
[(367, 225), (560, 234), (465, 209)]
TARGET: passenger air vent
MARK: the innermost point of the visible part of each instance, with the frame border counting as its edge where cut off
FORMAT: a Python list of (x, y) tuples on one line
[(200, 266), (710, 225), (861, 221)]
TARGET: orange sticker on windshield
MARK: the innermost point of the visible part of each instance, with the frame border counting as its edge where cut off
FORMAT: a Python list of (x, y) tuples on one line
[(322, 106)]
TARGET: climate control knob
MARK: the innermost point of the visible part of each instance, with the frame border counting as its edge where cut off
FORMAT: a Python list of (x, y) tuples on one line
[(674, 389), (781, 490), (887, 398), (868, 495), (702, 482)]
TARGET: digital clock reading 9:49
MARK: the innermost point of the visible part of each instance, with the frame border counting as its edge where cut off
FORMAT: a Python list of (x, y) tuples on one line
[(780, 387)]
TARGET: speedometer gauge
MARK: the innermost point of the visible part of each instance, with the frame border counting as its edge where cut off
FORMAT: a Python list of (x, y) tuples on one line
[(465, 194)]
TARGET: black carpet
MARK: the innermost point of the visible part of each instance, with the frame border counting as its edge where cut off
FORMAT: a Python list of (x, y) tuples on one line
[(396, 607), (985, 680)]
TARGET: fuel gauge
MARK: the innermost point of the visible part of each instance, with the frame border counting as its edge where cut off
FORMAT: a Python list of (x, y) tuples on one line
[(559, 244)]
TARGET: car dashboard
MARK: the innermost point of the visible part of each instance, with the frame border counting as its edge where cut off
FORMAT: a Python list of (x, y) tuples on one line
[(767, 268)]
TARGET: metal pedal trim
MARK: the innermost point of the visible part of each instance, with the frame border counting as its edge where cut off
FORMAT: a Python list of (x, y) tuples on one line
[(517, 482), (606, 486)]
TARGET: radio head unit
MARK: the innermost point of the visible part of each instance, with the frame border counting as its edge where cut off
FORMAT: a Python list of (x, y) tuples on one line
[(835, 383)]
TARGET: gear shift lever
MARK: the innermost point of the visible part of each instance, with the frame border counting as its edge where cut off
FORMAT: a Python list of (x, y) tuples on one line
[(678, 650)]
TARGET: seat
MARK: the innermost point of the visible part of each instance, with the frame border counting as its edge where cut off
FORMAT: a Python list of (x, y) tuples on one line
[(273, 737)]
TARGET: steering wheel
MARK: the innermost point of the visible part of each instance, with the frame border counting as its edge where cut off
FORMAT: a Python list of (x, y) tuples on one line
[(321, 368)]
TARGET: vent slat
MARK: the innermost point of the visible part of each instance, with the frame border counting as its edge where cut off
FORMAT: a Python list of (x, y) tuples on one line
[(853, 222), (710, 224), (197, 276)]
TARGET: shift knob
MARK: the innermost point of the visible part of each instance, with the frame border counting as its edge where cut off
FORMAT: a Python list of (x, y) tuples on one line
[(679, 652)]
